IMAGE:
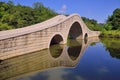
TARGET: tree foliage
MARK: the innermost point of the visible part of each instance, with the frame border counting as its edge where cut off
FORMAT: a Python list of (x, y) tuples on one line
[(92, 24), (17, 16), (114, 20)]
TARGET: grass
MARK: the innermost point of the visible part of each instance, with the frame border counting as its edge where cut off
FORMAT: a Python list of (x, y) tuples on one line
[(110, 34)]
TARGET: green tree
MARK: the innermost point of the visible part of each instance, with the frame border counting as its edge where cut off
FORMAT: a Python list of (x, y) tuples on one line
[(17, 16), (114, 19), (92, 24), (5, 26), (108, 26)]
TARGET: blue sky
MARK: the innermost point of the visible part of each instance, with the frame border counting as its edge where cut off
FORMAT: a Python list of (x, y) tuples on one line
[(93, 9)]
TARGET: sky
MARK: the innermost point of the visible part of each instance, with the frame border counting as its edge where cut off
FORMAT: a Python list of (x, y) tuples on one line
[(93, 9)]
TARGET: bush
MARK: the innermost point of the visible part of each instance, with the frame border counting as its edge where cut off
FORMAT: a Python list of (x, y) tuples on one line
[(110, 34), (5, 26)]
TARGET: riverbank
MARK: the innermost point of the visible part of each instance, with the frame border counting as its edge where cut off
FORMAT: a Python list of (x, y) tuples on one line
[(110, 34)]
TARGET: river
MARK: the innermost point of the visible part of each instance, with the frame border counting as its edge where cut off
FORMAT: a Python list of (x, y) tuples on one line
[(92, 59)]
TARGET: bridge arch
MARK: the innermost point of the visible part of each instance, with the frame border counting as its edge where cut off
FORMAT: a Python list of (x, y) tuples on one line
[(86, 35), (85, 38), (75, 31), (56, 39)]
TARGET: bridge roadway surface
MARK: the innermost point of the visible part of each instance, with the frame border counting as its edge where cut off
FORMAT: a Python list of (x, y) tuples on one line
[(40, 36)]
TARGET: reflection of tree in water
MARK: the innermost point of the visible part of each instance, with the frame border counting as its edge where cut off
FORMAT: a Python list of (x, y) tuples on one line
[(56, 50), (74, 49), (114, 52), (93, 44), (113, 46)]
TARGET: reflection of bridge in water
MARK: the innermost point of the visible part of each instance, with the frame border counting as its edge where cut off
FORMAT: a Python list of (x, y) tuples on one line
[(39, 61)]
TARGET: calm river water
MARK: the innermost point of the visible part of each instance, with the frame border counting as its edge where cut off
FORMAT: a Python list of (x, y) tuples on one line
[(93, 59)]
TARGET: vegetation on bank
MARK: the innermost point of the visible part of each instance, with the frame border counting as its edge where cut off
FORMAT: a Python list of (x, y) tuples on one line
[(16, 16), (111, 24), (110, 34), (92, 24), (111, 28)]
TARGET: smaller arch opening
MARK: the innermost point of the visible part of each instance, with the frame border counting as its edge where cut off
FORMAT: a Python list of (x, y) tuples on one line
[(57, 39), (86, 38)]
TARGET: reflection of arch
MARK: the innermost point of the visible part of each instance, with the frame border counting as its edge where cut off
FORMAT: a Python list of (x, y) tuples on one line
[(56, 50), (74, 52), (74, 49), (83, 48), (75, 31), (56, 39)]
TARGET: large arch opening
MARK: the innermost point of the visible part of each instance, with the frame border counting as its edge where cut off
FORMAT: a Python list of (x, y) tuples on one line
[(57, 39), (75, 31)]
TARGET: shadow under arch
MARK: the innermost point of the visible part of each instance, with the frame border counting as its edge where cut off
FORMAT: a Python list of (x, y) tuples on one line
[(75, 31)]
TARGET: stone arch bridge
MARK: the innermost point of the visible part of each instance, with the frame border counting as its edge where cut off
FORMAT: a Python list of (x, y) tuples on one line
[(40, 36)]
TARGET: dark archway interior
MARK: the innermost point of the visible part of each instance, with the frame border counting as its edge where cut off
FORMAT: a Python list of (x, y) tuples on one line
[(75, 31), (86, 38), (57, 39), (1, 61)]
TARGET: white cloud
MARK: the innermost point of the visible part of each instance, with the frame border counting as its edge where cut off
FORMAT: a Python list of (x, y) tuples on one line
[(63, 9), (79, 78), (103, 70), (56, 74)]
